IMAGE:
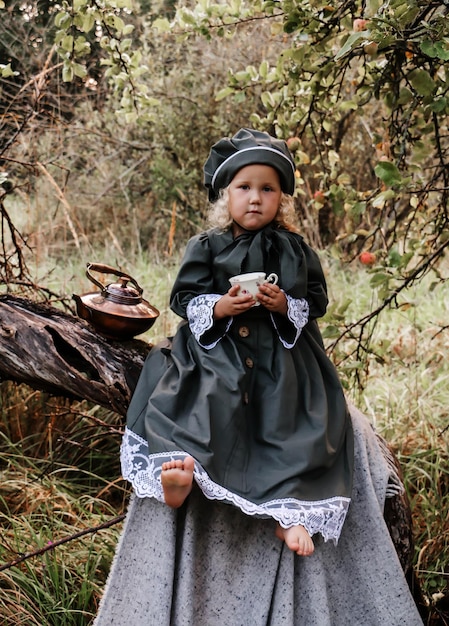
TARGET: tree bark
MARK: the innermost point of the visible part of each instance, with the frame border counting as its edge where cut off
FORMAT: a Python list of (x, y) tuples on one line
[(61, 354)]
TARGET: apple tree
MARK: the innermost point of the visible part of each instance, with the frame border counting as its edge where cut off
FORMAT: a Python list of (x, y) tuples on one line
[(361, 92), (359, 89)]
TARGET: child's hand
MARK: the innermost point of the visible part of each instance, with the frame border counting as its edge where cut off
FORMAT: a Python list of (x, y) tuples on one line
[(272, 298), (231, 303)]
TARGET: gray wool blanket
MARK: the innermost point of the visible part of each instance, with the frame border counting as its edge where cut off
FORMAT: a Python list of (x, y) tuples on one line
[(208, 564)]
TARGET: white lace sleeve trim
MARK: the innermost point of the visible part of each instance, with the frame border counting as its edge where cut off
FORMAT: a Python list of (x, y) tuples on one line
[(200, 314), (298, 314), (143, 471)]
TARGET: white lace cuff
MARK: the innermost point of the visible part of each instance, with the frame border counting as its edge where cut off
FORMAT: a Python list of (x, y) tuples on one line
[(200, 314), (143, 471), (298, 314)]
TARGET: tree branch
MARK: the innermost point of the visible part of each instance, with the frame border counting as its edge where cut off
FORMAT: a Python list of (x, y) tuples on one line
[(56, 352), (54, 544)]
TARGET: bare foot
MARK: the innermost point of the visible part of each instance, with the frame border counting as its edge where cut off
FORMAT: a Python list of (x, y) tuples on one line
[(177, 480), (297, 539)]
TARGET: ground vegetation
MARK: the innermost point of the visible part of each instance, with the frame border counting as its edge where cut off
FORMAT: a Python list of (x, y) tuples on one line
[(107, 111)]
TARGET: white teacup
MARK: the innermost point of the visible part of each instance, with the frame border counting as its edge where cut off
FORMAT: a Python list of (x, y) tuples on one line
[(249, 283)]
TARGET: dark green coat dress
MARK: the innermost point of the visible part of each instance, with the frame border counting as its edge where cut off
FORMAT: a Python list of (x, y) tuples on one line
[(254, 399)]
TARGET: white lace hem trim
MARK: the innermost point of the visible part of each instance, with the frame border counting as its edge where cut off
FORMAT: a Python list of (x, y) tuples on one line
[(143, 471), (200, 314)]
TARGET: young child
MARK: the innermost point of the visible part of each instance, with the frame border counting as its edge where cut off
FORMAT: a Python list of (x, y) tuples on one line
[(244, 402), (243, 407)]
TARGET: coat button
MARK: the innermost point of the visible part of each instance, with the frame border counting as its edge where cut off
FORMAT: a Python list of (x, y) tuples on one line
[(249, 362), (244, 331)]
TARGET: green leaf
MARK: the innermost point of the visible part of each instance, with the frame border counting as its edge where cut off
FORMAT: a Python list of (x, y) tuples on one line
[(344, 306), (330, 332), (88, 22), (428, 47), (380, 200), (435, 49), (439, 105), (223, 93), (67, 73), (186, 18), (128, 29), (388, 172), (242, 76), (124, 4), (62, 20), (358, 208), (372, 6), (407, 15), (394, 258), (390, 99), (263, 69), (379, 278), (79, 70), (349, 43), (267, 99), (81, 46), (422, 82), (348, 105), (290, 25), (116, 22), (67, 43), (442, 50), (162, 25), (6, 71), (405, 96)]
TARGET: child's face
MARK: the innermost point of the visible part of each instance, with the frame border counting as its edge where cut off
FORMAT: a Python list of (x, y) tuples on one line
[(254, 197)]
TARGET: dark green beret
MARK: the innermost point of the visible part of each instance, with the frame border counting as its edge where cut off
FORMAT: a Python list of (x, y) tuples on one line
[(247, 147)]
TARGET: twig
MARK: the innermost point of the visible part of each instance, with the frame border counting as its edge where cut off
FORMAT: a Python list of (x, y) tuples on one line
[(62, 198), (54, 544)]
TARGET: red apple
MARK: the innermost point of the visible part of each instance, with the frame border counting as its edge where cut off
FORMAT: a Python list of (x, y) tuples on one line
[(319, 197), (359, 25), (293, 143), (371, 48), (367, 258)]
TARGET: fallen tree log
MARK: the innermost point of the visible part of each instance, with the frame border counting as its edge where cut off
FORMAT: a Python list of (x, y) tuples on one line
[(53, 351)]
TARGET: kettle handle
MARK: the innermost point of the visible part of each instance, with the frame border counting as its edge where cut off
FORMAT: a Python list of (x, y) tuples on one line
[(107, 269)]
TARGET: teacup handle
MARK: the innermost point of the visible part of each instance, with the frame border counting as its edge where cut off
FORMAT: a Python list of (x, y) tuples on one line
[(272, 278)]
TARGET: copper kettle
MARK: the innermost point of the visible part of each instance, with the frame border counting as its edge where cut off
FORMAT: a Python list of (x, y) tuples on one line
[(118, 311)]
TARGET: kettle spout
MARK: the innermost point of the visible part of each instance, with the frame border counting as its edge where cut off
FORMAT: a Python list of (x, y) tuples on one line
[(81, 308)]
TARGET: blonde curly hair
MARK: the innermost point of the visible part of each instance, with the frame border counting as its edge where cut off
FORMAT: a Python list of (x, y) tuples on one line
[(220, 217)]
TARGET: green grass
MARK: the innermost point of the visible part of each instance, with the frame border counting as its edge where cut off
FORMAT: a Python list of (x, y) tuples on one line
[(60, 475), (59, 465), (404, 389)]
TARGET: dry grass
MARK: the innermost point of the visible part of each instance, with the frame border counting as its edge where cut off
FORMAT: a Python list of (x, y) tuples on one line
[(404, 393), (59, 461)]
